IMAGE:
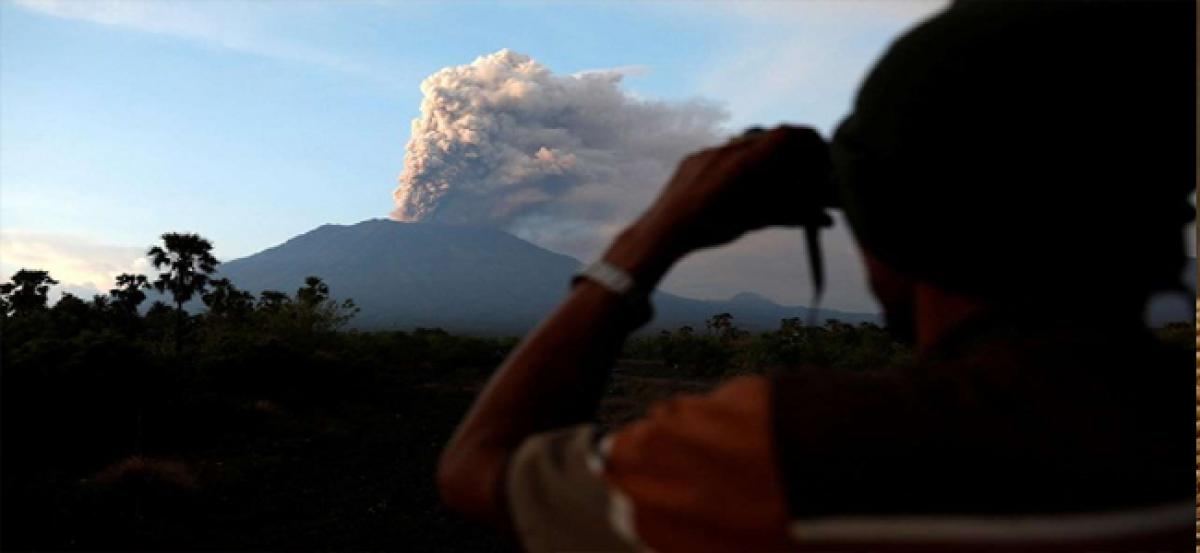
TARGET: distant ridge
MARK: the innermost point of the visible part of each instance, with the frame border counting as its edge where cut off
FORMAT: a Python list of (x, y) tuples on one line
[(461, 278)]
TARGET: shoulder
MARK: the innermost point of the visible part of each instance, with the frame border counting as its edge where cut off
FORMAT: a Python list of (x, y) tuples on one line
[(698, 473), (731, 423)]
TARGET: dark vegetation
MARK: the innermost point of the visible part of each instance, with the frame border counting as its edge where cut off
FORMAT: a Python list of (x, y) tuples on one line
[(261, 424)]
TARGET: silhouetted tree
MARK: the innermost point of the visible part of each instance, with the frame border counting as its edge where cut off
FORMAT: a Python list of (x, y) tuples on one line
[(721, 325), (315, 311), (158, 317), (70, 315), (101, 308), (272, 300), (27, 291), (189, 262), (226, 301), (129, 294), (302, 316), (314, 291), (100, 304), (122, 301)]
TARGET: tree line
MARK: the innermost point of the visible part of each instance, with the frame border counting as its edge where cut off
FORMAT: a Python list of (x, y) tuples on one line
[(186, 268), (186, 271), (721, 348)]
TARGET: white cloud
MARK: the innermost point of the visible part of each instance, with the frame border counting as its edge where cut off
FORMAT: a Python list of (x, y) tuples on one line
[(81, 265)]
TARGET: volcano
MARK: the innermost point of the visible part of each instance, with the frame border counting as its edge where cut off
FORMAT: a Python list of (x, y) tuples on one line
[(461, 278)]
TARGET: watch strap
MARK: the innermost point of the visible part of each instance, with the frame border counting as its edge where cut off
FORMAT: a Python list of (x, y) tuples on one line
[(609, 276)]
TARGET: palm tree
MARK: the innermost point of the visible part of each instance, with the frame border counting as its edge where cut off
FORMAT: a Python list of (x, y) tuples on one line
[(314, 292), (121, 304), (188, 261), (128, 294)]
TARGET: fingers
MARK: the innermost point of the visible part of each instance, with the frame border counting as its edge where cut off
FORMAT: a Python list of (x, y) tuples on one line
[(747, 135), (786, 138), (762, 141), (761, 178)]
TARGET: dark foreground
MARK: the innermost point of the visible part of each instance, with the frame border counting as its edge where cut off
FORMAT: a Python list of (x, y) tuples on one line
[(259, 437), (220, 470)]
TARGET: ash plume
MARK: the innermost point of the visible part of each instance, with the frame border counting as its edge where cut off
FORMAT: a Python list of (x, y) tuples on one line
[(561, 160)]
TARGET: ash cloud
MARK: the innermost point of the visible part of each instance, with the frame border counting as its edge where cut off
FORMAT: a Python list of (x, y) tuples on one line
[(561, 160)]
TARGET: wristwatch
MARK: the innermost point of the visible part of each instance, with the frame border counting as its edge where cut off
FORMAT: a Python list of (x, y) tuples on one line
[(619, 282), (607, 275)]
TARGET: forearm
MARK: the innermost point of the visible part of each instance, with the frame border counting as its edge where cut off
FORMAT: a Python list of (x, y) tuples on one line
[(554, 378)]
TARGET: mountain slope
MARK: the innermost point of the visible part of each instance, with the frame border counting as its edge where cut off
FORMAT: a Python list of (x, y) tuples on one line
[(466, 279)]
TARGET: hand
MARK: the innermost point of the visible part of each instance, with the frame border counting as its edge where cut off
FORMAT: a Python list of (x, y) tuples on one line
[(779, 177)]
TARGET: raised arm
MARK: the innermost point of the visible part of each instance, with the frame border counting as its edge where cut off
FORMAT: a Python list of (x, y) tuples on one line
[(555, 377)]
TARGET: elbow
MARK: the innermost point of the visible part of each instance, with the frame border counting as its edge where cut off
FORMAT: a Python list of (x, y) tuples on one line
[(452, 483), (471, 484)]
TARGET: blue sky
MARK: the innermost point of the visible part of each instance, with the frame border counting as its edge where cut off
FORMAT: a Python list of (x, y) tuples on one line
[(251, 122)]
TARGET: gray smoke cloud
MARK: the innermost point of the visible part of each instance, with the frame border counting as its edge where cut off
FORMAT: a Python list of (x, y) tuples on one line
[(561, 160)]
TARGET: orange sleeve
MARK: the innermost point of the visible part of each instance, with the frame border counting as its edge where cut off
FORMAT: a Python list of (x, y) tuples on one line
[(699, 473)]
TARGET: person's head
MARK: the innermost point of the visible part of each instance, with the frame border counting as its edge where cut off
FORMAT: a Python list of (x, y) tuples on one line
[(1028, 152)]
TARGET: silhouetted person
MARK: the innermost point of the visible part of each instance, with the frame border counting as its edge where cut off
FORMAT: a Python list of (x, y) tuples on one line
[(1017, 176)]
